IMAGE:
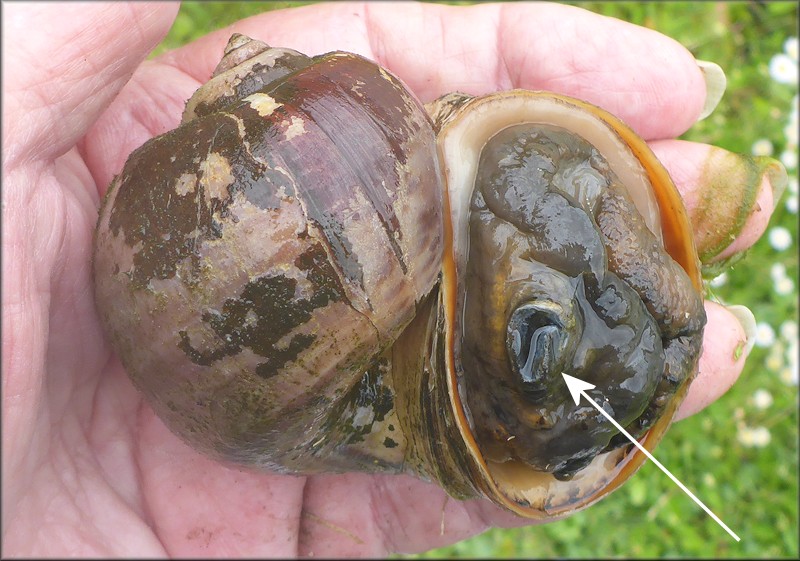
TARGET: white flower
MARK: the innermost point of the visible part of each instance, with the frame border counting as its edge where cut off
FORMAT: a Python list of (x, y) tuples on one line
[(762, 147), (784, 286), (783, 69), (790, 132), (719, 280), (756, 437), (765, 335), (762, 399), (789, 158), (780, 238), (788, 330), (791, 355), (790, 47), (791, 204), (777, 271), (774, 362), (791, 200), (789, 376), (761, 436)]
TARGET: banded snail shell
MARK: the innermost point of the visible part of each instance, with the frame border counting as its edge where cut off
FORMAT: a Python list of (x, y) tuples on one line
[(289, 278)]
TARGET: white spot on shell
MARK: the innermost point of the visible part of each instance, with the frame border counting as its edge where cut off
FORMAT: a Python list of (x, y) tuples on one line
[(296, 128), (240, 126), (217, 175), (356, 89), (185, 184), (262, 103), (363, 416), (250, 319), (388, 77)]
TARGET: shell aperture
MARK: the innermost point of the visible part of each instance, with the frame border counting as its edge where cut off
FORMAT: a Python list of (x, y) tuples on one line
[(544, 297)]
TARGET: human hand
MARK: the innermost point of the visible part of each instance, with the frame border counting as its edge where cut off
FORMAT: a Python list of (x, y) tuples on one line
[(87, 467)]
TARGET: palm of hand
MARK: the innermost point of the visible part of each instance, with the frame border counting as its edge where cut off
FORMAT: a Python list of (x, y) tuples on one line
[(88, 468)]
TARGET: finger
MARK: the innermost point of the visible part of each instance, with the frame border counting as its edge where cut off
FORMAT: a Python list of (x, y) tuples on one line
[(729, 197), (358, 515), (435, 49), (66, 63), (619, 66), (150, 104), (645, 78), (729, 337), (203, 508)]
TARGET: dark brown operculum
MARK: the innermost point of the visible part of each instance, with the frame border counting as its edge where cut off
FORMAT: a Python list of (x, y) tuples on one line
[(252, 265)]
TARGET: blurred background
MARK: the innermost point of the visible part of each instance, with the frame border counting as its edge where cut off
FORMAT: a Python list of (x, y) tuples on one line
[(740, 456)]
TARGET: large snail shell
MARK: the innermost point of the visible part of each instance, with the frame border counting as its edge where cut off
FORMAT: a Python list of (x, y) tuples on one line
[(308, 275), (251, 263)]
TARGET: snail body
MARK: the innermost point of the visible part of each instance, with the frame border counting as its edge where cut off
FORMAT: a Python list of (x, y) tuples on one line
[(315, 273)]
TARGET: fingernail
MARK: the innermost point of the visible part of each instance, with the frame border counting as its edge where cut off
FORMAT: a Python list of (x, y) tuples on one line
[(729, 195), (717, 252), (777, 176), (716, 82), (748, 323)]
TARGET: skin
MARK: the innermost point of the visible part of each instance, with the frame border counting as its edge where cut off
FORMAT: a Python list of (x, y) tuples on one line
[(88, 470)]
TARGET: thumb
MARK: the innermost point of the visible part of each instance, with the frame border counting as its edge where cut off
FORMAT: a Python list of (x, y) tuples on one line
[(65, 63)]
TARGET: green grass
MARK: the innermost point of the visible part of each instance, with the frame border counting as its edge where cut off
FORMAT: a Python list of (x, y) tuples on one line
[(753, 489)]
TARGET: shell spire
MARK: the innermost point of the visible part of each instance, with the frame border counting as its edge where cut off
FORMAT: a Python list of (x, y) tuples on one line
[(239, 48), (247, 66)]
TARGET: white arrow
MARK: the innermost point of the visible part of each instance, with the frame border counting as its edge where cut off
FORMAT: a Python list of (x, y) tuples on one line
[(577, 388)]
